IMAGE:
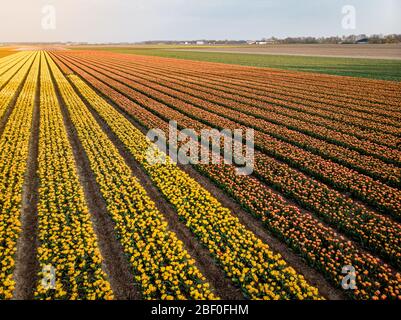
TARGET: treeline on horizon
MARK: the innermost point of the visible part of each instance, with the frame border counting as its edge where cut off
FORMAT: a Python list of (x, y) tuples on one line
[(373, 39), (350, 39)]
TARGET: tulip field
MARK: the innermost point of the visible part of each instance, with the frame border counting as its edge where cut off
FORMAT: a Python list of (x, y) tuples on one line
[(84, 214), (5, 51)]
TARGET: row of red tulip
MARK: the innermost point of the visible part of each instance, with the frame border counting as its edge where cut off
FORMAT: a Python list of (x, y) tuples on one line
[(259, 272), (373, 94)]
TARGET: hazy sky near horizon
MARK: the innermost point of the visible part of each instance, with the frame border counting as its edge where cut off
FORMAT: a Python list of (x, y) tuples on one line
[(138, 20)]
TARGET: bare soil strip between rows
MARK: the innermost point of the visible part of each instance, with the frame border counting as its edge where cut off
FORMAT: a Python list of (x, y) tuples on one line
[(214, 275), (11, 105), (26, 264), (252, 223), (257, 176), (115, 263)]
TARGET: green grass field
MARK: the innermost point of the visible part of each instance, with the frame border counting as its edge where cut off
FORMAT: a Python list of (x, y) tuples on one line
[(355, 67)]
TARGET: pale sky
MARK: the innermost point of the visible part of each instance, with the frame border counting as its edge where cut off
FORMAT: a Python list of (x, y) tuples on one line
[(138, 20)]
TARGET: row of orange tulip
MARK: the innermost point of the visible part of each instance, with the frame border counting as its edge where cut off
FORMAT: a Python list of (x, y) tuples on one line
[(255, 104), (343, 93)]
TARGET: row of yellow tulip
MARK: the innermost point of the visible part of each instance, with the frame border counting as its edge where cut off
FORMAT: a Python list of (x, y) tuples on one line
[(162, 267), (14, 148), (10, 62), (13, 78), (369, 158), (6, 52), (260, 273), (9, 58), (67, 241)]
